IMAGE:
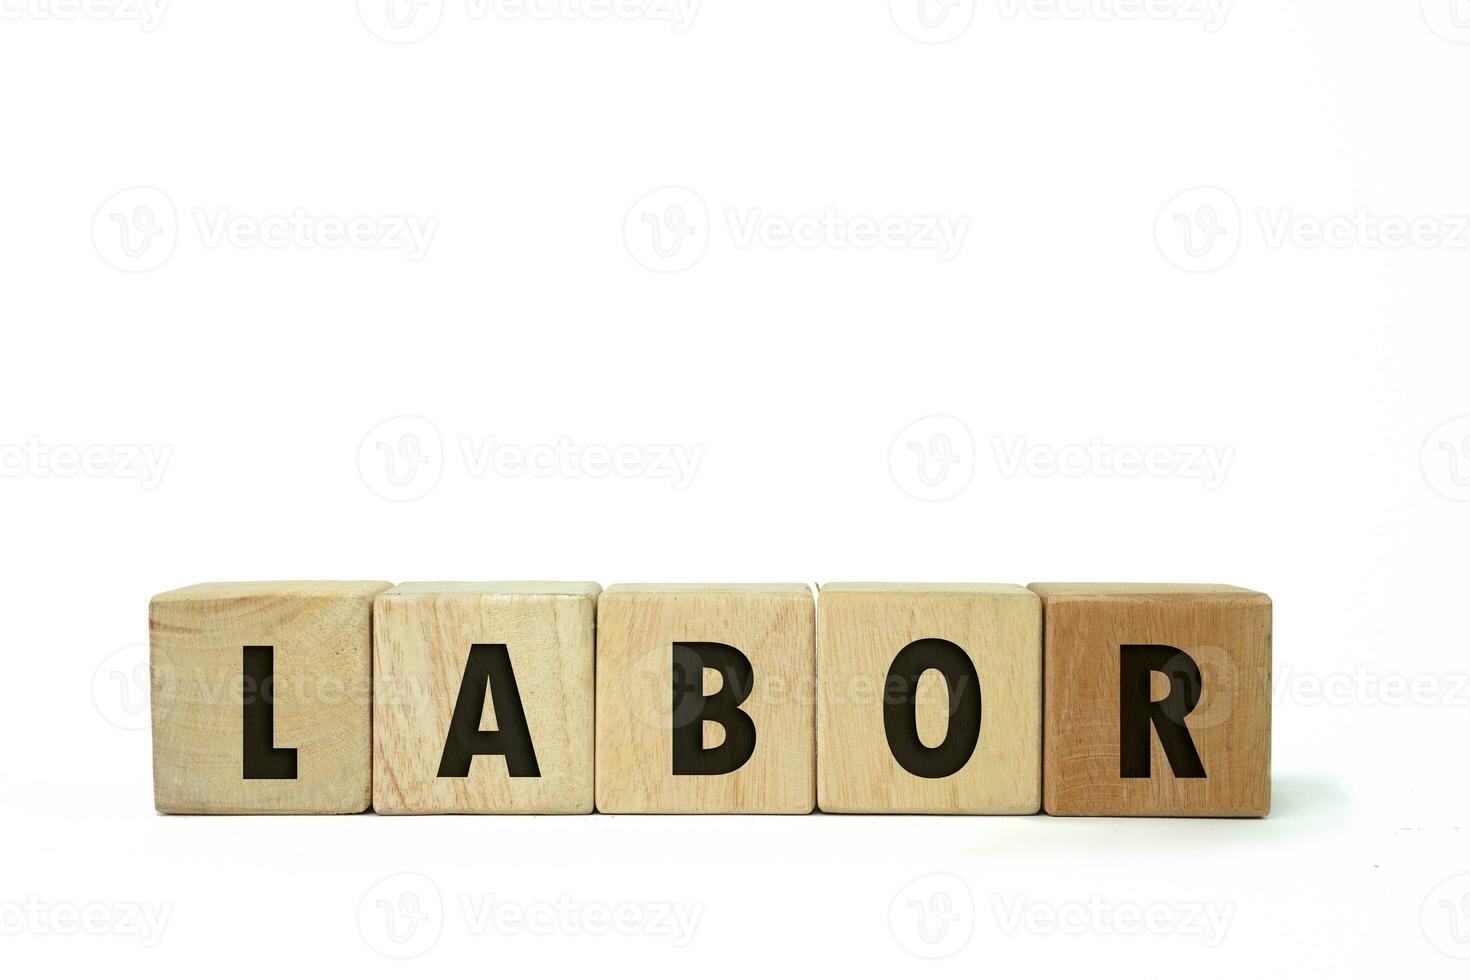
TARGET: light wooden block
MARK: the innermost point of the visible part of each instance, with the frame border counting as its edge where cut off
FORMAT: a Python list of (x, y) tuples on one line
[(650, 699), (533, 649), (928, 699), (1116, 692), (311, 714)]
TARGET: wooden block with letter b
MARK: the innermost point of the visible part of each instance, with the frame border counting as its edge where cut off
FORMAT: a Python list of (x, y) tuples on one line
[(705, 699), (929, 699), (482, 697), (262, 697), (1158, 700)]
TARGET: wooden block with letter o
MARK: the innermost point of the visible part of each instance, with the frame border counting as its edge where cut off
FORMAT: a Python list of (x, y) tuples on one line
[(262, 697), (1158, 700), (705, 699), (482, 697), (929, 699)]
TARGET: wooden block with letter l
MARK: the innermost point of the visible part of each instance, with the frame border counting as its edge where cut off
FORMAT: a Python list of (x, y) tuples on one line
[(929, 699), (1158, 700), (262, 697), (705, 699), (482, 697)]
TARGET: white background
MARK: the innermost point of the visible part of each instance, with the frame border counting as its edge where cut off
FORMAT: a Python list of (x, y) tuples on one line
[(1184, 238)]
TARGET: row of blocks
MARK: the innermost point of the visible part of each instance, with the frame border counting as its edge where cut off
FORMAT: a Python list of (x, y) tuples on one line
[(542, 697)]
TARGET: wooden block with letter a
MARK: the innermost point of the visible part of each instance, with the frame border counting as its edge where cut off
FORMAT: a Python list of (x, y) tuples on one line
[(262, 697), (705, 699), (1158, 700), (929, 699), (482, 697)]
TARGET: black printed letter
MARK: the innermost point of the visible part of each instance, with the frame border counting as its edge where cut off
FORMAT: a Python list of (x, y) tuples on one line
[(900, 713), (258, 696), (1136, 711), (692, 709), (488, 666)]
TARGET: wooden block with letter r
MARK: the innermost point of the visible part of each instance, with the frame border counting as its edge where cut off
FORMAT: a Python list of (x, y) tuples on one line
[(1158, 700), (482, 697), (706, 699), (929, 699), (262, 697)]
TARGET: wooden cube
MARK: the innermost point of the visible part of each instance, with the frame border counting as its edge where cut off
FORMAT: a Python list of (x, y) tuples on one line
[(482, 697), (1158, 700), (262, 697), (928, 699), (705, 699)]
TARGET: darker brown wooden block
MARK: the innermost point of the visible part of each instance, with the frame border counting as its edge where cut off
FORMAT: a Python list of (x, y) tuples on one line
[(1158, 700)]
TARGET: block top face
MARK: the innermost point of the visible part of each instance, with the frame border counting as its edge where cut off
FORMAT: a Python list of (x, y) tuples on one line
[(213, 591), (576, 589), (784, 588), (943, 588), (1144, 590)]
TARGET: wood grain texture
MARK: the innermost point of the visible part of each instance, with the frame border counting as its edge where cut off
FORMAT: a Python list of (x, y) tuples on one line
[(1224, 629), (322, 638), (423, 633), (861, 629), (773, 625)]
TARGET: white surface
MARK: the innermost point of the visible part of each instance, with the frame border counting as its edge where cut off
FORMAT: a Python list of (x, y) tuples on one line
[(1066, 148)]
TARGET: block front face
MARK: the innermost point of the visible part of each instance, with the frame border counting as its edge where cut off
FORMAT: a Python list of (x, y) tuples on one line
[(975, 708), (262, 697), (456, 661), (1158, 700), (705, 699)]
